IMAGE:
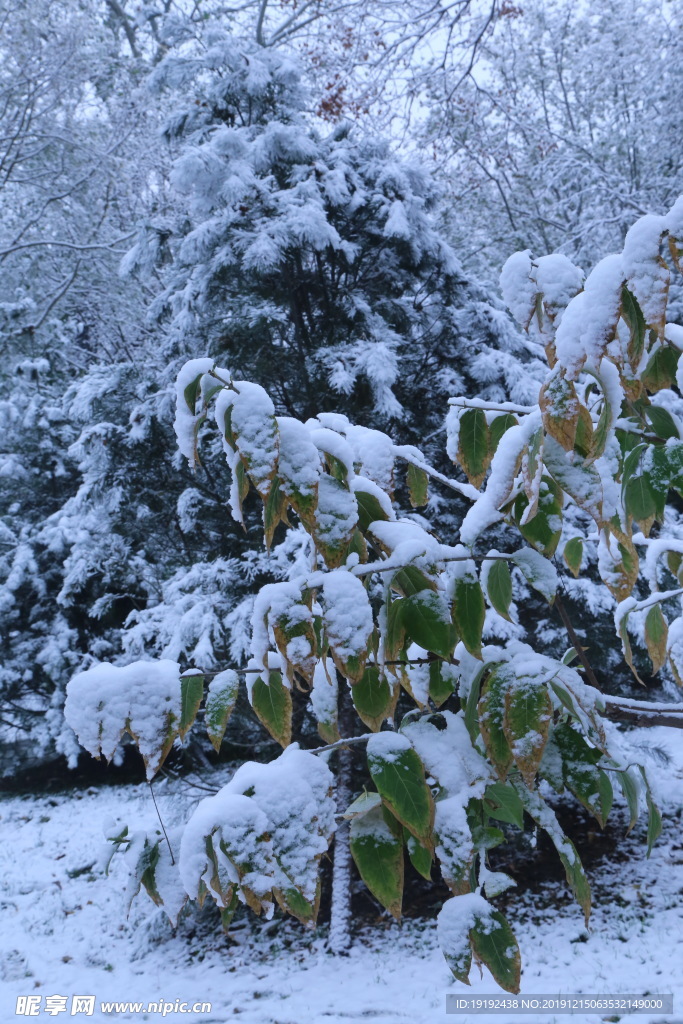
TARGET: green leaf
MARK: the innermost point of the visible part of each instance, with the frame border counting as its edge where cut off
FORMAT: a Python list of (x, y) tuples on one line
[(272, 702), (662, 422), (369, 509), (632, 314), (191, 693), (528, 714), (441, 684), (367, 801), (582, 777), (455, 942), (399, 775), (654, 818), (639, 498), (560, 407), (420, 856), (293, 902), (378, 855), (373, 698), (537, 571), (418, 483), (411, 580), (220, 702), (491, 709), (426, 619), (545, 817), (191, 392), (544, 529), (573, 554), (395, 635), (499, 425), (502, 802), (629, 788), (656, 634), (499, 588), (274, 508), (494, 944), (227, 913), (474, 445), (660, 371), (472, 702), (469, 611)]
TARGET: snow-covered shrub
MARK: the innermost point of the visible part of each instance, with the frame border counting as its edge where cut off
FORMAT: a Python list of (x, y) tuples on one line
[(380, 604)]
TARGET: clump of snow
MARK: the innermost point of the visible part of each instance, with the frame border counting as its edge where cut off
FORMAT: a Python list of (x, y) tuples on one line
[(386, 747), (185, 423), (590, 319), (324, 693), (518, 286), (347, 614), (143, 698)]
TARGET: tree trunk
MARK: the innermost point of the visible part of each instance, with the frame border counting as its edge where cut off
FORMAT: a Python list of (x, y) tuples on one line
[(340, 917)]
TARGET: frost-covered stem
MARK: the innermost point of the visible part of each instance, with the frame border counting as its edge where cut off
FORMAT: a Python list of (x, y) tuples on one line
[(479, 403), (352, 740), (467, 490), (221, 380), (340, 915), (363, 570)]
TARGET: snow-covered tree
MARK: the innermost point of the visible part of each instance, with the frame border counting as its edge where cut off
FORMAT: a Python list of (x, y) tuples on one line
[(312, 260), (383, 611)]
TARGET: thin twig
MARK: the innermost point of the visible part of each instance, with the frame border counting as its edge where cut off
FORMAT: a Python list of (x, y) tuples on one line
[(163, 827), (576, 643)]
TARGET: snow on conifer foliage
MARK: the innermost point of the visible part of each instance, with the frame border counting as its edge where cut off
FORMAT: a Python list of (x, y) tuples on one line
[(321, 248), (386, 620)]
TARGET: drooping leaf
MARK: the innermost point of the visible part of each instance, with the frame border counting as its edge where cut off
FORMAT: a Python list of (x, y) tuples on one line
[(469, 611), (369, 509), (399, 775), (629, 788), (528, 714), (220, 702), (573, 554), (660, 371), (560, 407), (272, 702), (491, 710), (427, 621), (546, 818), (502, 802), (632, 314), (378, 855), (639, 498), (499, 587), (537, 571), (656, 635), (474, 445), (654, 818), (494, 944), (420, 856), (373, 698), (499, 425), (589, 784), (417, 481), (191, 693), (441, 682)]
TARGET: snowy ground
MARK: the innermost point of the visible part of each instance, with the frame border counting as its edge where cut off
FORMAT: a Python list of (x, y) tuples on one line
[(64, 932)]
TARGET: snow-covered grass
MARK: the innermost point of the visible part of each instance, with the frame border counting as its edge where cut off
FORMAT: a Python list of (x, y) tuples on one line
[(64, 929)]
